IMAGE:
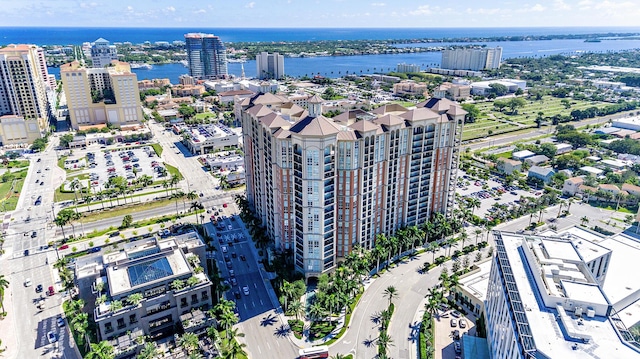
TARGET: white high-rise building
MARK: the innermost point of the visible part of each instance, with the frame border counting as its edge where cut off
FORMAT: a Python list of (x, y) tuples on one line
[(269, 66), (101, 95), (545, 299), (471, 59), (102, 53)]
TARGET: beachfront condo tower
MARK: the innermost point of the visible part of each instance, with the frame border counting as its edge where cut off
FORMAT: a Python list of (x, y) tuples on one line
[(206, 56), (102, 53)]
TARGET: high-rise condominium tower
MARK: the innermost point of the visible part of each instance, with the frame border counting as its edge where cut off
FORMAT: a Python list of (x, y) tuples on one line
[(206, 55), (321, 186), (101, 95), (269, 66), (102, 53)]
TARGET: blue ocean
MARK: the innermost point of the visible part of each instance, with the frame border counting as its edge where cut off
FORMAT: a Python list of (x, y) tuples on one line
[(332, 66)]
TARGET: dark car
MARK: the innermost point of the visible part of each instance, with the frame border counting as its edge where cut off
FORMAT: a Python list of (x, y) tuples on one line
[(26, 252), (237, 294), (243, 257), (34, 234), (95, 249), (234, 255), (39, 288), (114, 234)]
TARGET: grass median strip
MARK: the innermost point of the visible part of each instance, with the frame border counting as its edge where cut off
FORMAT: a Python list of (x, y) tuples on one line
[(124, 210)]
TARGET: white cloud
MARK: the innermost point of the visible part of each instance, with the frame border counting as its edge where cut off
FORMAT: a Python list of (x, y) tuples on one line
[(561, 5), (171, 8), (129, 8), (200, 11), (378, 4), (483, 11), (422, 10), (538, 7), (250, 5)]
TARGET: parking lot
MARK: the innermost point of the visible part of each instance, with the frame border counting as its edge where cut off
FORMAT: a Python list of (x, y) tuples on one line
[(450, 326), (127, 163), (489, 192)]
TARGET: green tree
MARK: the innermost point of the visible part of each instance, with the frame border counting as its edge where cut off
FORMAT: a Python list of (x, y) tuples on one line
[(4, 284), (135, 298), (127, 220), (101, 350), (148, 352), (188, 341), (390, 293), (472, 112)]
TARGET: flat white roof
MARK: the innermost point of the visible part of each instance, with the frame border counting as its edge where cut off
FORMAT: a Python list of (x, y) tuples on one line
[(550, 338), (561, 250), (584, 292), (477, 283), (621, 280), (590, 169)]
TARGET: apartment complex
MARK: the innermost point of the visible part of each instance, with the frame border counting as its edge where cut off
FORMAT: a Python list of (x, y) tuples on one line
[(206, 56), (322, 186), (407, 68), (97, 96), (269, 66), (546, 299), (102, 53), (23, 82), (165, 274), (471, 59)]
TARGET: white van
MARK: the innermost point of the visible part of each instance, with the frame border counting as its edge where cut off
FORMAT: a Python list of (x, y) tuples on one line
[(224, 249)]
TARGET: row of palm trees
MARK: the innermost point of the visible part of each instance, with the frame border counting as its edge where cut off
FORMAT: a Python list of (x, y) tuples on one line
[(227, 318), (4, 284), (114, 188)]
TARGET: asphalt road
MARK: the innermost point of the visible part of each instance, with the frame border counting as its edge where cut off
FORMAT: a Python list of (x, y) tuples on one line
[(28, 324), (258, 312)]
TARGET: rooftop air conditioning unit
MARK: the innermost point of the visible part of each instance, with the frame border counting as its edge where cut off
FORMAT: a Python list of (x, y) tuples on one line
[(591, 312)]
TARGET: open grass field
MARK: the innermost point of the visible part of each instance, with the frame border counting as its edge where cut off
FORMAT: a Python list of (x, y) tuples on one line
[(500, 122), (8, 196)]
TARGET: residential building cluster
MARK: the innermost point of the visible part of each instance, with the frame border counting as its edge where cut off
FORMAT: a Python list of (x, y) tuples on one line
[(321, 186)]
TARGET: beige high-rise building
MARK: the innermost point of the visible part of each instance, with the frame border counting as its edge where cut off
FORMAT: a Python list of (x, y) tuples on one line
[(23, 79), (321, 186), (98, 96)]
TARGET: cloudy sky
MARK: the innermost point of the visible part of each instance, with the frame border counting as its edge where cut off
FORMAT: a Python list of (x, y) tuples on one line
[(319, 13)]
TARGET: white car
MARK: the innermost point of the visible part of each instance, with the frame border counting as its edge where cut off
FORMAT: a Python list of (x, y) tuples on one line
[(27, 282), (245, 290), (52, 337)]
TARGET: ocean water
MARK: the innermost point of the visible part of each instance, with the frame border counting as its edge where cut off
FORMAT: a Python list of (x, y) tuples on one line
[(331, 66), (77, 35)]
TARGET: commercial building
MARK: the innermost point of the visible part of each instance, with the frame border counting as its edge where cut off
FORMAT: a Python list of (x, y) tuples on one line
[(452, 91), (546, 298), (147, 285), (206, 56), (101, 95), (23, 86), (471, 59), (15, 130), (269, 66), (208, 138), (321, 186), (102, 53), (483, 88)]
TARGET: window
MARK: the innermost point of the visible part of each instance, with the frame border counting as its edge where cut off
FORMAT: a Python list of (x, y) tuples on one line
[(194, 298), (183, 302), (108, 327), (133, 319), (121, 323)]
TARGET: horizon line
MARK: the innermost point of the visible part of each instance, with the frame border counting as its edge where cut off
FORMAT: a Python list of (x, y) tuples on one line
[(330, 27)]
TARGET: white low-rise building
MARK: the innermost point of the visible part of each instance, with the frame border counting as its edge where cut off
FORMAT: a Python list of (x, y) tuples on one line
[(208, 138)]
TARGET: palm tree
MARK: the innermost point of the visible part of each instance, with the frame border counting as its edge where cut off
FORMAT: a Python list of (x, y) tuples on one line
[(228, 320), (213, 334), (148, 352), (316, 311), (4, 283), (135, 298), (391, 292), (102, 350), (296, 308), (463, 236), (584, 220), (384, 341), (234, 349), (189, 342)]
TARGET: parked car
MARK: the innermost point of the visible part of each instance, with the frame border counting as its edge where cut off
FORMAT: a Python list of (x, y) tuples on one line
[(39, 288), (462, 323), (60, 322), (245, 290), (52, 337), (453, 322), (51, 291)]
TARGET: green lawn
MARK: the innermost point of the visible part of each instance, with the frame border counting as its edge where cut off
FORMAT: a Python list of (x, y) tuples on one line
[(173, 171), (9, 198), (157, 148), (211, 115), (17, 164), (489, 119), (123, 210)]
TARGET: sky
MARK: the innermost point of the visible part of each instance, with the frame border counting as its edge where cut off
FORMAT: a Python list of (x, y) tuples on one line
[(319, 13)]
